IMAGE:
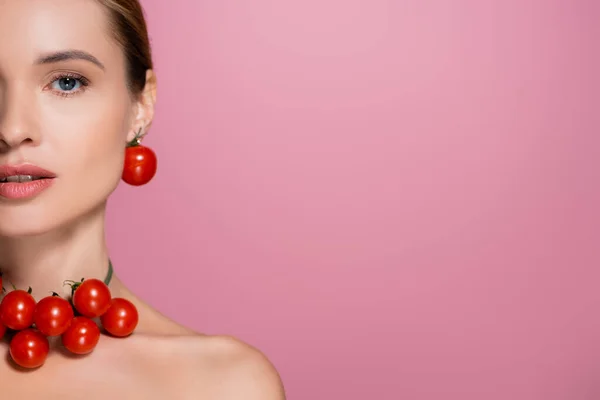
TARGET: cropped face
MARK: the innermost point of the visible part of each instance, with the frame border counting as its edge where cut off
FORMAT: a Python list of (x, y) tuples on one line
[(65, 113)]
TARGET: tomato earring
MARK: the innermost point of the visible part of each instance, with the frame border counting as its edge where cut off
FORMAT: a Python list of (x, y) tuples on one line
[(140, 162)]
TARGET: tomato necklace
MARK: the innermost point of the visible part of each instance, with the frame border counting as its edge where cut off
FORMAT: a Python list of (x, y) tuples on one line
[(29, 323)]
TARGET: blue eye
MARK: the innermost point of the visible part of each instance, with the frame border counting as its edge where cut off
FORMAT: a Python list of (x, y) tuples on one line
[(66, 84)]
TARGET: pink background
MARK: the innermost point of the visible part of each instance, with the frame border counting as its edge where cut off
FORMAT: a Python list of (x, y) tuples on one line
[(392, 199)]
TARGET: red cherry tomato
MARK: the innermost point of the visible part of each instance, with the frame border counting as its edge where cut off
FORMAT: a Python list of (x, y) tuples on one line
[(121, 318), (16, 310), (140, 165), (29, 348), (82, 336), (91, 298), (53, 315), (2, 330)]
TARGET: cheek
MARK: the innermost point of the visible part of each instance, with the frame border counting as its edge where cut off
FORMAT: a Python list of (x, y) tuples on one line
[(89, 141)]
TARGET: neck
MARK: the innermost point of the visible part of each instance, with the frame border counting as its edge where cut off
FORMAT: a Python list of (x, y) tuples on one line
[(43, 262)]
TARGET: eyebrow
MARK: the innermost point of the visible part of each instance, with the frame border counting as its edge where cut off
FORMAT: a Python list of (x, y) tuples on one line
[(69, 55)]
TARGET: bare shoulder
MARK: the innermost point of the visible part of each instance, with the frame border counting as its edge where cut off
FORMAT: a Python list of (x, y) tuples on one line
[(216, 367), (241, 370)]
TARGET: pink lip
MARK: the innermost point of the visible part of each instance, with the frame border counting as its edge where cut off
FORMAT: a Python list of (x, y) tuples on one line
[(25, 169), (25, 190)]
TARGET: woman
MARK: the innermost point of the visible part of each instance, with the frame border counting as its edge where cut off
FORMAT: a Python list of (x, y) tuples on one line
[(76, 86)]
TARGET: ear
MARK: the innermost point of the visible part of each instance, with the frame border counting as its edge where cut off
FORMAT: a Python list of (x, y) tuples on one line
[(144, 108)]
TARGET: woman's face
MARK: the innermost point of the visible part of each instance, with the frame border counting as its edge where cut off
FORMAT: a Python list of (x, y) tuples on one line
[(64, 107)]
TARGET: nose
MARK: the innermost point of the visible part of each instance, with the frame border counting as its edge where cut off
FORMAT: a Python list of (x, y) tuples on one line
[(17, 113)]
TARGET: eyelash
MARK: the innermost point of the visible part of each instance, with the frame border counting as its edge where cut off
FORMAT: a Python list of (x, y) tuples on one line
[(80, 78)]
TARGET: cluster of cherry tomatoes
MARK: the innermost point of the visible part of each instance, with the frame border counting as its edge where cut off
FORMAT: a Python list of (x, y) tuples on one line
[(33, 322)]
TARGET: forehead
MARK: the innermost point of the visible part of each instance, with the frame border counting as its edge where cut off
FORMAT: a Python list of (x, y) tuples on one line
[(43, 26)]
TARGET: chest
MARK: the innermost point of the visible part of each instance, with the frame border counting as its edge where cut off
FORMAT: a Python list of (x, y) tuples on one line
[(91, 389), (116, 369), (82, 382), (100, 375)]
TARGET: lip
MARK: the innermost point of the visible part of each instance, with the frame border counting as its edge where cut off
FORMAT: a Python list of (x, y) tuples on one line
[(24, 190), (25, 169)]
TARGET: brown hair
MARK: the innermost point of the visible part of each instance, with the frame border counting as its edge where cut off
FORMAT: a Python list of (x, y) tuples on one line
[(128, 27)]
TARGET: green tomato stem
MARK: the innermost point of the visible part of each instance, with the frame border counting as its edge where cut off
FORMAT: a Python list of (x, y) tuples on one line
[(137, 140)]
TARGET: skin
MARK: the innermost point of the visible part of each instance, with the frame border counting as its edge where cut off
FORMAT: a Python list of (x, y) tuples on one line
[(80, 135)]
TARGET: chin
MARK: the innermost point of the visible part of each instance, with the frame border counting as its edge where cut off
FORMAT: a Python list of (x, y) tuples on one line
[(16, 223), (29, 220)]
